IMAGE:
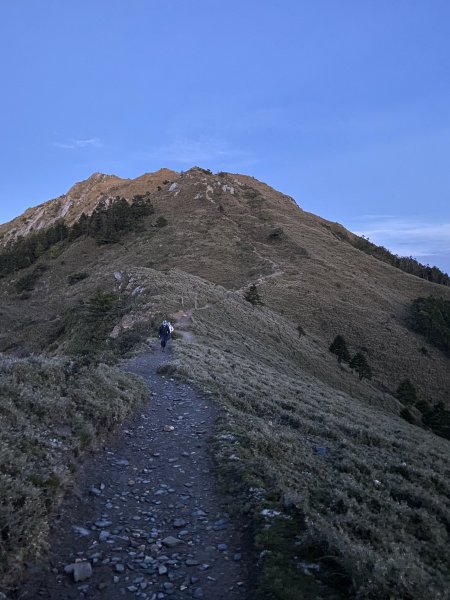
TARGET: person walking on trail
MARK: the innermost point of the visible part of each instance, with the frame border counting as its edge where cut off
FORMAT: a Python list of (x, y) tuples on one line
[(165, 331)]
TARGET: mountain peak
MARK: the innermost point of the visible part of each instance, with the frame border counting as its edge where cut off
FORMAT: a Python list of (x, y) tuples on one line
[(83, 197)]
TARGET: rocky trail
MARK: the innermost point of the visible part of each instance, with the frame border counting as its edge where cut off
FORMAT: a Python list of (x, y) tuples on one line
[(147, 521)]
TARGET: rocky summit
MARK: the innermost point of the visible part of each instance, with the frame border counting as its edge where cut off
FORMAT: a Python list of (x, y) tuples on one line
[(293, 441)]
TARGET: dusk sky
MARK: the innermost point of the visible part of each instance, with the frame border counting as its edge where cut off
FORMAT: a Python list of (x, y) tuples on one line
[(342, 104)]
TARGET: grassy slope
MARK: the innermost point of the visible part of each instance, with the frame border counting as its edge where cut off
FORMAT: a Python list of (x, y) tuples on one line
[(51, 410), (310, 276), (376, 505), (286, 394)]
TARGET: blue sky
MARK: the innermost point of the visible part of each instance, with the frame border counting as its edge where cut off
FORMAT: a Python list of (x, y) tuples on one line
[(343, 105)]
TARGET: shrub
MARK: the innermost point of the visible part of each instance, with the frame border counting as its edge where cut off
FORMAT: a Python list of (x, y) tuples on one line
[(89, 324), (406, 414), (277, 234), (252, 296), (361, 366), (406, 393), (27, 282), (161, 222), (438, 419), (339, 347), (76, 277)]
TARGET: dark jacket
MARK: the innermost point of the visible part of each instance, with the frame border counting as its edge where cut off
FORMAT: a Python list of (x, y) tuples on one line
[(164, 331)]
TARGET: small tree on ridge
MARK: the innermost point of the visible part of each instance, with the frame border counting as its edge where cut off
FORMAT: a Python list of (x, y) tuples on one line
[(339, 347), (361, 366)]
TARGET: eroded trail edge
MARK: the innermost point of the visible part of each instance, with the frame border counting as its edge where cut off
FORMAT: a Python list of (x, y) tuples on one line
[(147, 521)]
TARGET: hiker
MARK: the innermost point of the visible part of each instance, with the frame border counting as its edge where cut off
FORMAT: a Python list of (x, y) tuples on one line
[(165, 331)]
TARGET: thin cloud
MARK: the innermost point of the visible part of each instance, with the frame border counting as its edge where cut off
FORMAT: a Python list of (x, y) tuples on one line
[(190, 152), (94, 142)]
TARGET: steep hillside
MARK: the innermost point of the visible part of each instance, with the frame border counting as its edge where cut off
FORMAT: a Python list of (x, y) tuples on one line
[(360, 492), (83, 197)]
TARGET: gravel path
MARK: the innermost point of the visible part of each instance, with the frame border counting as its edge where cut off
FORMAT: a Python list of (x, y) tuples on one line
[(147, 522)]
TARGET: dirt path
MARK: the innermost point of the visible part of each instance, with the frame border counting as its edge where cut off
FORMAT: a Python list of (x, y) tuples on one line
[(147, 520)]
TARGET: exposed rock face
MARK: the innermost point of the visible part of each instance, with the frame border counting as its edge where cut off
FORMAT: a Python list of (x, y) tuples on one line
[(83, 197)]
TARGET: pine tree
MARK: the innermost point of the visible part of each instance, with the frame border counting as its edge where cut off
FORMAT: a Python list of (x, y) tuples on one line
[(361, 366), (339, 347), (406, 393), (252, 296)]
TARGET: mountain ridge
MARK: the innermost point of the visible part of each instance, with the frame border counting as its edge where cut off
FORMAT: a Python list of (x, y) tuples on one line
[(262, 287)]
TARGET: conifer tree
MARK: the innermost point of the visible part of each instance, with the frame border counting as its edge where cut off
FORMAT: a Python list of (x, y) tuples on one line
[(406, 392), (252, 296), (339, 347), (361, 366)]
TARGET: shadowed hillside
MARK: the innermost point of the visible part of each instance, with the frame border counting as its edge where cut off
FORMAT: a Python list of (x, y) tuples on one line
[(362, 489)]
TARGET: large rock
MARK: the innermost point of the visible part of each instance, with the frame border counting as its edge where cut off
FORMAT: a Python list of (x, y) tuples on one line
[(82, 571), (171, 542)]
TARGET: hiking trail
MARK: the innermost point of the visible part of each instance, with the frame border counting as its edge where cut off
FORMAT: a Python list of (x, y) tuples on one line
[(146, 520)]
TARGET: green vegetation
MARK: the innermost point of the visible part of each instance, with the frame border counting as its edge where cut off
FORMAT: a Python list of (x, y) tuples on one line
[(406, 393), (431, 317), (26, 251), (277, 234), (437, 418), (109, 222), (339, 347), (76, 277), (252, 296), (358, 363), (361, 366), (89, 324), (161, 222), (27, 282), (88, 327), (301, 331), (50, 410)]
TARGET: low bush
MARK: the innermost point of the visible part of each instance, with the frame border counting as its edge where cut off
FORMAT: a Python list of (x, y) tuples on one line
[(27, 282), (252, 296), (161, 222), (339, 347)]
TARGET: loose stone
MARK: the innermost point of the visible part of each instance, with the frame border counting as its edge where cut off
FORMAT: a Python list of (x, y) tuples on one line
[(171, 542), (102, 523), (82, 571)]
